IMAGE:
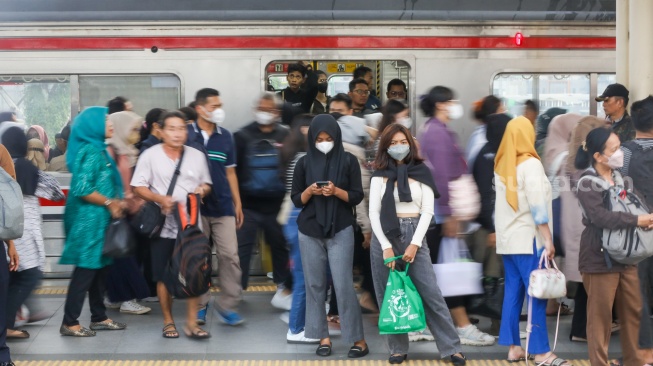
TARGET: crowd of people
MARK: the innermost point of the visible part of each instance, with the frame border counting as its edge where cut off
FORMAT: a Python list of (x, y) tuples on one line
[(334, 183)]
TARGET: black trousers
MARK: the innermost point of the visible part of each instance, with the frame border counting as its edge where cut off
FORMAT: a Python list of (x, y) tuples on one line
[(21, 285), (82, 281), (579, 320), (247, 236), (5, 356)]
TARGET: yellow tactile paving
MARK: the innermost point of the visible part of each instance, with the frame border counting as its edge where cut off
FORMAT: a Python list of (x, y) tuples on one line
[(64, 290), (267, 363)]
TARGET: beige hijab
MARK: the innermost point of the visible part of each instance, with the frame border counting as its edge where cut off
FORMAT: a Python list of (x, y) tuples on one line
[(557, 139), (578, 135), (35, 153), (123, 125)]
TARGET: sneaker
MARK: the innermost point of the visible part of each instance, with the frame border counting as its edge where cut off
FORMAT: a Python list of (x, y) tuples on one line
[(201, 315), (150, 299), (285, 317), (132, 307), (424, 335), (471, 336), (111, 305), (281, 301), (300, 338), (229, 317)]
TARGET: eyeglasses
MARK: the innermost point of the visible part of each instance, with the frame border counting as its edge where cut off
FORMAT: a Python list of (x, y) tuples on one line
[(294, 77), (362, 92), (399, 94)]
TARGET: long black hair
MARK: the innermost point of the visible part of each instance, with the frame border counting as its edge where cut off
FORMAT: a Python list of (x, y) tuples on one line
[(390, 110), (594, 143), (437, 94)]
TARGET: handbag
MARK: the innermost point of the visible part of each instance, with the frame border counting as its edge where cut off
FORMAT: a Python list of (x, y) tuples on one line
[(119, 239), (545, 283), (457, 274), (464, 199), (402, 310), (149, 220)]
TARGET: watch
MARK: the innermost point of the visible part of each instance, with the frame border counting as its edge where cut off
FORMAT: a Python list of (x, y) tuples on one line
[(108, 202)]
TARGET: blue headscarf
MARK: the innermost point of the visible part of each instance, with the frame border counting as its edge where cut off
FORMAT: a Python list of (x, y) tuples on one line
[(89, 127)]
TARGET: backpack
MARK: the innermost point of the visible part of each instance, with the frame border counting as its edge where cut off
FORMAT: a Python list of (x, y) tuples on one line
[(11, 208), (629, 245), (262, 164), (189, 270), (642, 173)]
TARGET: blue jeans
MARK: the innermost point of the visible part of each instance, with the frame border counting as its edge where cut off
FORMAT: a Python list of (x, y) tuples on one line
[(518, 268), (298, 308)]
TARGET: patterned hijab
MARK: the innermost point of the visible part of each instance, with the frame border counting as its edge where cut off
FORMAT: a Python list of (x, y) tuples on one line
[(517, 146)]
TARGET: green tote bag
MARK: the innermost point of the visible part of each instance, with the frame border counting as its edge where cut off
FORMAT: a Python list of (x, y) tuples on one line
[(402, 310)]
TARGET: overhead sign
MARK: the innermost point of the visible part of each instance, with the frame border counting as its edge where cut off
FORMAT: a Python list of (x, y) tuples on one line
[(337, 67)]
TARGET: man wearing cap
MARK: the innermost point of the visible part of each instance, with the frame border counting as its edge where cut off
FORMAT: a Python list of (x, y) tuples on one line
[(61, 140), (615, 101)]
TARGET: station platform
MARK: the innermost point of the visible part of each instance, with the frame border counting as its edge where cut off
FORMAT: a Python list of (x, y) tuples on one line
[(260, 341)]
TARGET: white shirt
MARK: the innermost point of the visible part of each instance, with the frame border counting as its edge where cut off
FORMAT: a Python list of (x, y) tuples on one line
[(516, 230), (423, 204)]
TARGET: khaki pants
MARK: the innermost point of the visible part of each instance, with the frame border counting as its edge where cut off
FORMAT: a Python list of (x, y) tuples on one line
[(222, 232), (603, 290), (481, 253)]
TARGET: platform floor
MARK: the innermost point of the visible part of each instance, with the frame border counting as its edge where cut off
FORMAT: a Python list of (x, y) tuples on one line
[(260, 341)]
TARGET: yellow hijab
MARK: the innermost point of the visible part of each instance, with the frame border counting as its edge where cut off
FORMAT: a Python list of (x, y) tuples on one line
[(517, 146)]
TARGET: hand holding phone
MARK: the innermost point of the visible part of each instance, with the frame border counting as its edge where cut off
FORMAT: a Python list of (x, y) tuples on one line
[(322, 183)]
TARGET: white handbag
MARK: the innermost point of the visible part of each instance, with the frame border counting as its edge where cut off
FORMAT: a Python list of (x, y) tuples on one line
[(547, 282)]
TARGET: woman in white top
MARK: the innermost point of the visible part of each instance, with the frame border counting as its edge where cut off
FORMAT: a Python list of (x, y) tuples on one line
[(523, 231), (400, 217)]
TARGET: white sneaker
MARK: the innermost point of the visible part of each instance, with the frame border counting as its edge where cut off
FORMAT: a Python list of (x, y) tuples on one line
[(300, 338), (281, 301), (111, 305), (132, 307), (150, 299), (471, 336), (285, 317), (424, 335)]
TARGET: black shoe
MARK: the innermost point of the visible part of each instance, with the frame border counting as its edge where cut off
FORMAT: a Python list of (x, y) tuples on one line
[(397, 359), (323, 350), (358, 352), (458, 360), (7, 363)]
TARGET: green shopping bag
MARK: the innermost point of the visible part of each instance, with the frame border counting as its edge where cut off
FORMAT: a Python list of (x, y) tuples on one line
[(402, 310)]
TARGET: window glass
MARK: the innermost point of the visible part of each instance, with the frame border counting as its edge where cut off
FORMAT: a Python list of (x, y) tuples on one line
[(144, 91), (514, 89), (338, 84), (277, 82), (37, 100), (603, 80)]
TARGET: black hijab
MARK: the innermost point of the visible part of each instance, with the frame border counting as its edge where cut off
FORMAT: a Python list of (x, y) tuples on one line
[(496, 127), (325, 167), (400, 174), (27, 175)]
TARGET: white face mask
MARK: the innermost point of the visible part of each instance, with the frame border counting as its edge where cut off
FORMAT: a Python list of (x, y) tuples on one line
[(265, 118), (406, 122), (324, 146), (455, 111), (217, 116)]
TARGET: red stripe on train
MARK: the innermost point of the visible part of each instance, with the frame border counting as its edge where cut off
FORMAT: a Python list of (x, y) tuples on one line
[(311, 42), (48, 203)]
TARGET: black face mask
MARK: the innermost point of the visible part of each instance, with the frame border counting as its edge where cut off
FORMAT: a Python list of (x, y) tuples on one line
[(336, 115), (322, 87)]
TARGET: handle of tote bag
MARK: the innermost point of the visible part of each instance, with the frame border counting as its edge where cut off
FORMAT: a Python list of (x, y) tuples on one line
[(386, 261)]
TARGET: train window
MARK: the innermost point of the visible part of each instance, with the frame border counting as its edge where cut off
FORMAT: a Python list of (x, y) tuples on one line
[(568, 91), (37, 100), (338, 84), (144, 91), (277, 82), (603, 80)]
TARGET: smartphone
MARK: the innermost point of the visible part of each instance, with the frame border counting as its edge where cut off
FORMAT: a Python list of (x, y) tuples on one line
[(322, 183)]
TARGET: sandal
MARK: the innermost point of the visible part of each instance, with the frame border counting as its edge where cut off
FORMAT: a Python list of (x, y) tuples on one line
[(170, 333), (333, 319), (17, 334), (197, 333), (556, 362)]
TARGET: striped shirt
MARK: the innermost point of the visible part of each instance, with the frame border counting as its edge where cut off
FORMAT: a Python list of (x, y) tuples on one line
[(291, 170), (628, 154)]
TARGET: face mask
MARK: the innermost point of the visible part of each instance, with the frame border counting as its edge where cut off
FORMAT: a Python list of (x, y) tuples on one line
[(616, 161), (322, 87), (217, 116), (399, 152), (455, 111), (336, 115), (264, 118), (324, 146), (406, 122)]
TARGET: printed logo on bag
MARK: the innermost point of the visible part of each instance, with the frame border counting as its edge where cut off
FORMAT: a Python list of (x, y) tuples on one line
[(400, 306)]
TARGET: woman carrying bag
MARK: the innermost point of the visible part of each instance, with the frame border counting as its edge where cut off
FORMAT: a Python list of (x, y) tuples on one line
[(326, 186), (402, 196)]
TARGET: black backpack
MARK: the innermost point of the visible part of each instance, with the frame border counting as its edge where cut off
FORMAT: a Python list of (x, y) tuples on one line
[(189, 270), (263, 168), (640, 169)]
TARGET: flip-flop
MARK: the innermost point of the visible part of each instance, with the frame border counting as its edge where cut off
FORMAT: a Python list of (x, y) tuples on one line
[(197, 333)]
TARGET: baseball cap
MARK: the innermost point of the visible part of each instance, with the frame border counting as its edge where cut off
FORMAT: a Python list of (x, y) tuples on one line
[(613, 90)]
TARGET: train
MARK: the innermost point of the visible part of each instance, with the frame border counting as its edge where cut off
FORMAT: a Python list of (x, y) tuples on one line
[(561, 56)]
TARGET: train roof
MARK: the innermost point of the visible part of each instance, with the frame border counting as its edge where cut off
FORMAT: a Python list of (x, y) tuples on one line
[(305, 10)]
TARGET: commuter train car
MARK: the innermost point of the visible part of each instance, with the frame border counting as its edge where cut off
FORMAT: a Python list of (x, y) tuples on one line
[(57, 58)]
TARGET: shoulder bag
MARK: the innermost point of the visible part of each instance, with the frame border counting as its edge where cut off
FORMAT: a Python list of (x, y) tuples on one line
[(149, 220)]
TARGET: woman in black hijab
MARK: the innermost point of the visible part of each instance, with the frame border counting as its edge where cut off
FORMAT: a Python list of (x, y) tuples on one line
[(33, 184), (327, 186)]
